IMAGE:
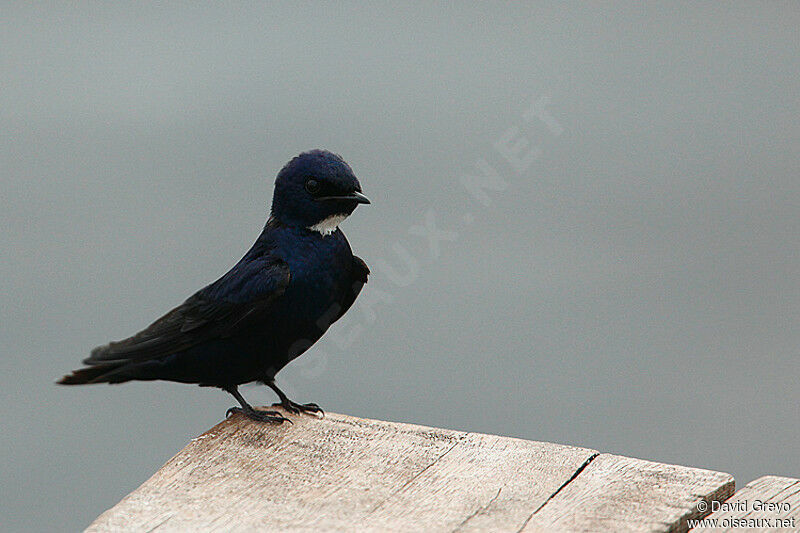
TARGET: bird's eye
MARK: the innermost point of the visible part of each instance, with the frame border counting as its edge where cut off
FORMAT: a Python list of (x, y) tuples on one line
[(312, 186)]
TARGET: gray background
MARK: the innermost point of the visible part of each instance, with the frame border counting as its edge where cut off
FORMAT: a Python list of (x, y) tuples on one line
[(633, 289)]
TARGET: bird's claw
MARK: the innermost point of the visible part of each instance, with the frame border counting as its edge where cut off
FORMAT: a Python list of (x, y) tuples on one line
[(272, 417), (297, 408)]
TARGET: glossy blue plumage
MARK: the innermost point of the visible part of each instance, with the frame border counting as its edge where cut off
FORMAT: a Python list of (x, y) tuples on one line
[(298, 278)]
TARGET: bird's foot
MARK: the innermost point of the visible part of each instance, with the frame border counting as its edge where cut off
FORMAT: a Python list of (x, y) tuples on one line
[(297, 408), (272, 417)]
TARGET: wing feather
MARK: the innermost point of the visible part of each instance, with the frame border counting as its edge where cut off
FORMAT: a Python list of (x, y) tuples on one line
[(221, 309)]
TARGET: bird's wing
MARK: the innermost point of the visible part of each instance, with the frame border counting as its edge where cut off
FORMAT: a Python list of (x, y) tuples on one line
[(221, 309), (358, 276)]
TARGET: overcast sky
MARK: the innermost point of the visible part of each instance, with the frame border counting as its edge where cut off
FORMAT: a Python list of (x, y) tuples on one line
[(615, 194)]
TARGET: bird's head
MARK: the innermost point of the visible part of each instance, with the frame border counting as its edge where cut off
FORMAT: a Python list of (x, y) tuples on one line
[(316, 190)]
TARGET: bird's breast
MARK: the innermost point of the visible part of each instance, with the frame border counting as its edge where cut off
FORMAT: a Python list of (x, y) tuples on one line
[(320, 274)]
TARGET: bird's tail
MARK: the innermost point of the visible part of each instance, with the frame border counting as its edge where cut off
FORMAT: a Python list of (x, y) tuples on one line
[(93, 374)]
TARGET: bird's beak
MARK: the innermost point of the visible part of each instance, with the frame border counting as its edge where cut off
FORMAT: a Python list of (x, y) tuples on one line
[(358, 197), (353, 196)]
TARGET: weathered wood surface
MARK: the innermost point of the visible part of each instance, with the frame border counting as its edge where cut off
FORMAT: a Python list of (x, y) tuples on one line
[(769, 503), (344, 473), (625, 494)]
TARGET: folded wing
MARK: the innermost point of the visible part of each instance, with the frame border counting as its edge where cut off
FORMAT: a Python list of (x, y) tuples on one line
[(221, 309)]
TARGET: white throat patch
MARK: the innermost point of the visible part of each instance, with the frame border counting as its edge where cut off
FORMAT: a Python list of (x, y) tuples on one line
[(329, 225)]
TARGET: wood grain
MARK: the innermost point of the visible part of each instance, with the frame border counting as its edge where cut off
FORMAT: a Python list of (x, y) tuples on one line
[(744, 510), (615, 493), (344, 473)]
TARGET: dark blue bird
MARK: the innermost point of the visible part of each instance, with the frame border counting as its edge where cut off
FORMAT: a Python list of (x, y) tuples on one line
[(298, 278)]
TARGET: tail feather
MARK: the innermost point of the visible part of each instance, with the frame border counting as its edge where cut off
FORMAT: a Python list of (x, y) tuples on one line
[(92, 374)]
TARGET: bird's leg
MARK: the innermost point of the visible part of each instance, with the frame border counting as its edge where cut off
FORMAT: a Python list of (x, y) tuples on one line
[(291, 406), (273, 417)]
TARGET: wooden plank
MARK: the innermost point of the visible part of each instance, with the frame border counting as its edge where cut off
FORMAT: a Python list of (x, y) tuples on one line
[(615, 493), (343, 472), (769, 503)]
